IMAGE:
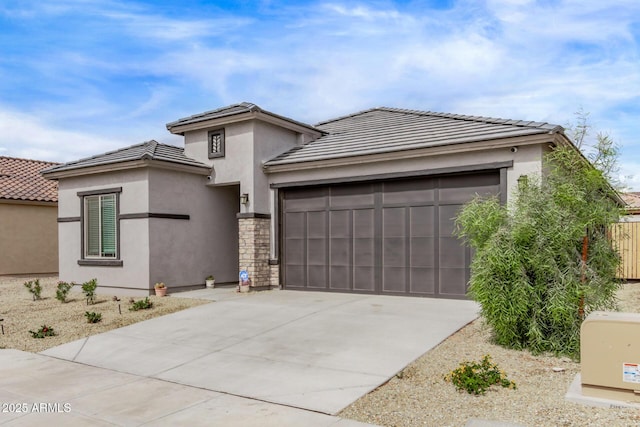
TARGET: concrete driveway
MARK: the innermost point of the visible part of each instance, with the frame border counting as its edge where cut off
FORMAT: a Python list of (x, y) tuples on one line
[(313, 351), (316, 351)]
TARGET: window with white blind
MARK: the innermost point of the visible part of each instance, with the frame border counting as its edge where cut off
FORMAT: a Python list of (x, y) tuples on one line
[(100, 226)]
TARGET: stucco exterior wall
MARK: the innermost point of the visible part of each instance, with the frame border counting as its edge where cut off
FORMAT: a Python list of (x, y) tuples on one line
[(247, 145), (133, 276), (28, 238), (270, 141), (185, 252)]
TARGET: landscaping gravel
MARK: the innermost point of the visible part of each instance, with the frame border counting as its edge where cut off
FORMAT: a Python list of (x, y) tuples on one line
[(419, 396), (22, 314)]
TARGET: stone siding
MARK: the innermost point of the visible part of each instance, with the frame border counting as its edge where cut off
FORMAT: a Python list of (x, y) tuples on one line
[(254, 234)]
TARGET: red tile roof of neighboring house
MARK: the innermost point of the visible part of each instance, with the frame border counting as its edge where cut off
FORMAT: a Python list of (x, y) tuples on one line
[(20, 179), (633, 201)]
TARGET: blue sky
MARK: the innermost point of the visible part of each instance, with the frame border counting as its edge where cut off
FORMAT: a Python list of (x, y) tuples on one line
[(81, 77)]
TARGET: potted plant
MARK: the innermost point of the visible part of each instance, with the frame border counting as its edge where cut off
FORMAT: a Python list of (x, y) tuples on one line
[(161, 289), (210, 281)]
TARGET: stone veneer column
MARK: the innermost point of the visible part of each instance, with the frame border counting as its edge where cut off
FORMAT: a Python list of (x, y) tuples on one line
[(253, 238)]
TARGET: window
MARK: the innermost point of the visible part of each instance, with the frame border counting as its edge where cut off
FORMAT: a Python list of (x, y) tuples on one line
[(216, 143), (101, 226)]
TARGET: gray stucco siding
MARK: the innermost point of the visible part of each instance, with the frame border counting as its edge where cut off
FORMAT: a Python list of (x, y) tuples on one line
[(184, 252), (133, 234)]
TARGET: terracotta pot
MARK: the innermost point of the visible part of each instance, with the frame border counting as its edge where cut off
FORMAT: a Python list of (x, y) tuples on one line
[(160, 292)]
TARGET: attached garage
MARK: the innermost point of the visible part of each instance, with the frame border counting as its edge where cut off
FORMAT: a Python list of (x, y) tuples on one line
[(392, 237)]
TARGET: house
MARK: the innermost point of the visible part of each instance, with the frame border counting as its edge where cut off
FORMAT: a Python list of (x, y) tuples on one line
[(360, 203), (632, 208), (28, 213)]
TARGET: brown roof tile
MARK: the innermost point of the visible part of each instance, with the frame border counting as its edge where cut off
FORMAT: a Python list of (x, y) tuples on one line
[(20, 179)]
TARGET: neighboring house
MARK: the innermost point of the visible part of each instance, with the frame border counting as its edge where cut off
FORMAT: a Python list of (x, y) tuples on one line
[(632, 208), (361, 203), (28, 214)]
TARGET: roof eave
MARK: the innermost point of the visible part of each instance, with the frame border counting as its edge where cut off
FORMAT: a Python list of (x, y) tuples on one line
[(8, 200), (120, 166), (254, 114)]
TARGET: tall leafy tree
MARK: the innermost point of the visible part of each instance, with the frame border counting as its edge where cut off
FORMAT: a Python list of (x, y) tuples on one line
[(529, 272)]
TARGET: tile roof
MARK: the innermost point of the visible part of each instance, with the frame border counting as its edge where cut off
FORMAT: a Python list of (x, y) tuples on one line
[(20, 179), (231, 110), (632, 200), (150, 150), (383, 129)]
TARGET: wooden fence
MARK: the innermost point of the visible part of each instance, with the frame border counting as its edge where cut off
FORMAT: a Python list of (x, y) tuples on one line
[(626, 238)]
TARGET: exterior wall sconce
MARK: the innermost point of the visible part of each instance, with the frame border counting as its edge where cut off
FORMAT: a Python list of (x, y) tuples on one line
[(244, 198), (523, 180)]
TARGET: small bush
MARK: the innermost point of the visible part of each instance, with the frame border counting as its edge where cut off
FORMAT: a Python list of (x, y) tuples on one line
[(89, 290), (63, 290), (142, 304), (93, 317), (477, 377), (44, 331), (34, 288)]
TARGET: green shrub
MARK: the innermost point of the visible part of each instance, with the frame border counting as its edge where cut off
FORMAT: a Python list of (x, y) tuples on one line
[(34, 287), (142, 304), (89, 290), (63, 290), (93, 317), (44, 331), (477, 377), (527, 273)]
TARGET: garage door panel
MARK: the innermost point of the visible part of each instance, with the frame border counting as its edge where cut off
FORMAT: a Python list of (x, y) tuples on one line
[(317, 224), (422, 221), (422, 280), (363, 223), (295, 251), (305, 199), (394, 279), (364, 278), (317, 276), (363, 252), (422, 252), (340, 223), (317, 252), (446, 219), (295, 276), (340, 277), (453, 281), (410, 192), (296, 224), (393, 222), (340, 251), (393, 254), (452, 253), (352, 195)]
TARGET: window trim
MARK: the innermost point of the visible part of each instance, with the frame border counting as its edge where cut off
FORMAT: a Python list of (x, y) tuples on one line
[(92, 259), (221, 151)]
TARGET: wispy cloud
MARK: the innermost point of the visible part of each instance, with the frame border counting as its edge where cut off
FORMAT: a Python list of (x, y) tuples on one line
[(114, 69), (28, 137)]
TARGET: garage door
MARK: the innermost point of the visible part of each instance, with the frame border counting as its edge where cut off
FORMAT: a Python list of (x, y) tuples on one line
[(382, 237)]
